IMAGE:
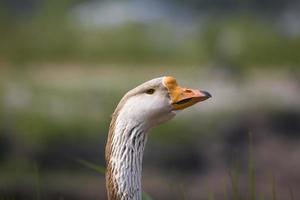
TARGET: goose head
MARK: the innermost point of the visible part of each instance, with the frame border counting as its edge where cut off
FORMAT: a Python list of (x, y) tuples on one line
[(141, 109), (158, 100)]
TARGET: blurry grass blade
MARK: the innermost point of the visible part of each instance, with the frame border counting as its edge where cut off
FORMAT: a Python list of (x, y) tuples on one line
[(234, 177), (234, 183), (182, 192), (224, 190), (38, 182), (211, 195), (92, 166), (273, 187), (145, 196), (261, 196), (291, 193), (251, 170)]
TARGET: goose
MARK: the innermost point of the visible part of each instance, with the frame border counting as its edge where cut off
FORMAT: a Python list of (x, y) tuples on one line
[(142, 108)]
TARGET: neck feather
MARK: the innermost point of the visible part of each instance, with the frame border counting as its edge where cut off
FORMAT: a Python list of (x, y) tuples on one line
[(124, 153)]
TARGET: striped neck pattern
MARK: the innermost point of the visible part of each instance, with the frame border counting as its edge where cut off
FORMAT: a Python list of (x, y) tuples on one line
[(124, 150)]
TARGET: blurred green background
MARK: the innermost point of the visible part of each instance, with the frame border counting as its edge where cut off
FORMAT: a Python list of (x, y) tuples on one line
[(65, 64)]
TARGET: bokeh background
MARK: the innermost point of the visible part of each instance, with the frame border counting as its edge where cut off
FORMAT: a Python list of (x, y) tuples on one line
[(65, 64)]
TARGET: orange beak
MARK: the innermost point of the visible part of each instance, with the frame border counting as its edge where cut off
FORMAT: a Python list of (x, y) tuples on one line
[(182, 98)]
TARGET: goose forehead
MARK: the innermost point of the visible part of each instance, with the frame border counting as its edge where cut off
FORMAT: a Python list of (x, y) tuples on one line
[(154, 83)]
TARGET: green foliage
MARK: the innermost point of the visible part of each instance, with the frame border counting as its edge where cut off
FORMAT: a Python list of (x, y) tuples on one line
[(50, 36), (243, 41)]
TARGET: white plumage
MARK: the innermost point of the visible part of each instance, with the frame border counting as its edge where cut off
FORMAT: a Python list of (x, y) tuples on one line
[(141, 109)]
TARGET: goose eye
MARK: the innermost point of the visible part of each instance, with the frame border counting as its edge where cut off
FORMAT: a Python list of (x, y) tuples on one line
[(150, 91)]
